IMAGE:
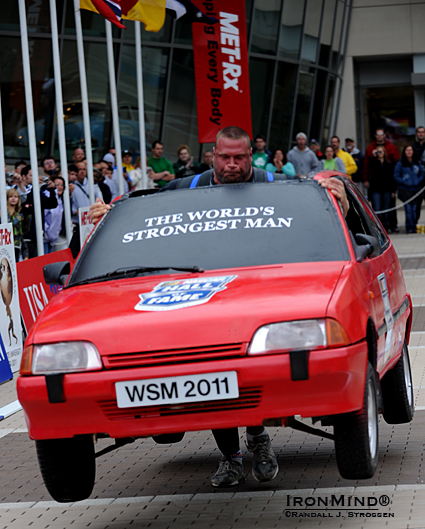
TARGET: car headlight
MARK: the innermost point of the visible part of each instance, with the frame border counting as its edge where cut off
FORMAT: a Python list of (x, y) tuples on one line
[(62, 357), (298, 335)]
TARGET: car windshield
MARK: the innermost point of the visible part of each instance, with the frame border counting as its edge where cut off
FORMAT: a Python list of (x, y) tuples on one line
[(215, 227)]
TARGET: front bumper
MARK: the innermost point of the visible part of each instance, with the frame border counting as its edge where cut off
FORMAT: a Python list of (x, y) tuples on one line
[(335, 384)]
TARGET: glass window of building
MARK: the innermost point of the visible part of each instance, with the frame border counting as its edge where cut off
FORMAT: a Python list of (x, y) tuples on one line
[(261, 77), (317, 107), (280, 132), (311, 30), (338, 34), (266, 26), (326, 34), (302, 110), (291, 30)]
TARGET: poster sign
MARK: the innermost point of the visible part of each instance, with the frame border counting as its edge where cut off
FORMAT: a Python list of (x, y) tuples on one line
[(34, 294), (10, 316), (221, 69), (85, 225)]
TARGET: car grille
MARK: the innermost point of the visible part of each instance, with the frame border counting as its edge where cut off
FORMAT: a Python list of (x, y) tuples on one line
[(248, 398), (174, 356)]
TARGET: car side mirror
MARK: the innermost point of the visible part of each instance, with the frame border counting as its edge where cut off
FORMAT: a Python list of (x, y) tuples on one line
[(366, 245), (57, 273)]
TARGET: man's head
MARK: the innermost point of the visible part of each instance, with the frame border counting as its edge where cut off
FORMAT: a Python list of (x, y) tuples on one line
[(126, 157), (109, 159), (314, 145), (49, 165), (380, 136), (207, 158), (26, 174), (157, 149), (260, 144), (349, 144), (82, 171), (72, 172), (19, 166), (232, 156), (103, 165), (301, 140), (335, 142), (78, 155), (107, 173), (420, 133)]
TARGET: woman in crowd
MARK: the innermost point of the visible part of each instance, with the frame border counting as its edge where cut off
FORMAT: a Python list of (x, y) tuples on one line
[(331, 162), (185, 166), (53, 219), (409, 175), (381, 183), (279, 164), (16, 218)]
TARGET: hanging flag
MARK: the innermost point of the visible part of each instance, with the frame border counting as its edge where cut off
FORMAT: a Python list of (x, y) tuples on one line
[(221, 70), (108, 9), (187, 12), (150, 12)]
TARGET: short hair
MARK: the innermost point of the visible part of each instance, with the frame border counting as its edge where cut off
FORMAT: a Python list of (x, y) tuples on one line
[(233, 133), (47, 158), (9, 192), (336, 138), (20, 162), (259, 137), (417, 128), (72, 167), (155, 143), (181, 148), (301, 135), (25, 170)]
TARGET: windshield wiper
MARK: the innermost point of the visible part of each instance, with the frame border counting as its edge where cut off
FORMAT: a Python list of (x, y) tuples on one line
[(134, 270)]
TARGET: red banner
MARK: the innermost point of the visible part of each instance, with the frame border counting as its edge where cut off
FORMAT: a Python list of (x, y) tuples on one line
[(34, 294), (221, 69)]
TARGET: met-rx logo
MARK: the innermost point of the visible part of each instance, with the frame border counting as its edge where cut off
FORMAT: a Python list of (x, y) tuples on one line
[(5, 237), (171, 295)]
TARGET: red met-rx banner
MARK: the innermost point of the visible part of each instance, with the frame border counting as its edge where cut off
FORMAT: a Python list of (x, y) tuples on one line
[(221, 69)]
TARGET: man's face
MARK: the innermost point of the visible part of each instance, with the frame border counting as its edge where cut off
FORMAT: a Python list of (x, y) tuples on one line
[(108, 173), (78, 155), (232, 160), (260, 145), (301, 141), (102, 167), (207, 157), (349, 145), (314, 147), (82, 172), (49, 165), (420, 134), (380, 137), (335, 144), (20, 167), (72, 176), (158, 150), (27, 179), (126, 159)]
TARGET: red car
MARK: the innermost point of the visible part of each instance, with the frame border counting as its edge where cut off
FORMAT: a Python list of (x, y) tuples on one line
[(216, 307)]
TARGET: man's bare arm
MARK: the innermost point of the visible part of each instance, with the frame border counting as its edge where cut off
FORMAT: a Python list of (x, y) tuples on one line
[(336, 187)]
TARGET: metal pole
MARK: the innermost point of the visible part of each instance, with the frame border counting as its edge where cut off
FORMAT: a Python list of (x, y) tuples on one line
[(84, 99), (114, 104), (3, 201), (31, 128), (61, 125), (139, 73)]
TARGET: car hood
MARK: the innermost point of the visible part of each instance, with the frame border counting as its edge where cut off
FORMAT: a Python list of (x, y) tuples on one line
[(106, 313)]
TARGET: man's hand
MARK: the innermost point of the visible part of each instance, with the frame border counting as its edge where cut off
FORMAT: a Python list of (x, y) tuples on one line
[(336, 187), (97, 210)]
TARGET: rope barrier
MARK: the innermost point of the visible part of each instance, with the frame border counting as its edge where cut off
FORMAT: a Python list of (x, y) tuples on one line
[(402, 204)]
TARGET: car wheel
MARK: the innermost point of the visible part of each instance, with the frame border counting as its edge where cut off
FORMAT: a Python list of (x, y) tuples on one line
[(168, 438), (397, 391), (356, 435), (68, 467)]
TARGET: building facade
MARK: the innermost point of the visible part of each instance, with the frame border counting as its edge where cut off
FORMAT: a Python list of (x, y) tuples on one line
[(296, 60)]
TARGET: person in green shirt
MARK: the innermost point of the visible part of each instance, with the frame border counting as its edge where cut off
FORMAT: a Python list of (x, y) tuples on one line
[(261, 156), (163, 168)]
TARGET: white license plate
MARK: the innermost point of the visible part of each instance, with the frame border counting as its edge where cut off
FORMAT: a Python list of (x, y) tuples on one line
[(177, 390)]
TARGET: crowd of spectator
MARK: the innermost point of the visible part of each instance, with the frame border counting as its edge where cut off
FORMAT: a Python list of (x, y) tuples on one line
[(380, 173)]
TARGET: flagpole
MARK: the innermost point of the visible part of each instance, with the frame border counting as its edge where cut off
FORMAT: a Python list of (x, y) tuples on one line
[(84, 99), (114, 105), (31, 128), (3, 200), (139, 73), (61, 125)]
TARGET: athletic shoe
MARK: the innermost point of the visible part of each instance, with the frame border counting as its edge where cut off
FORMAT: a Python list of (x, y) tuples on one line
[(229, 474), (264, 463)]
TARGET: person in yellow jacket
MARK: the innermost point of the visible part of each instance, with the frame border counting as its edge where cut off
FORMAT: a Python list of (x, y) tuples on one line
[(348, 160)]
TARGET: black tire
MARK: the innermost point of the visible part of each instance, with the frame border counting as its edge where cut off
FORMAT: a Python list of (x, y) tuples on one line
[(397, 391), (357, 437), (68, 467), (168, 438)]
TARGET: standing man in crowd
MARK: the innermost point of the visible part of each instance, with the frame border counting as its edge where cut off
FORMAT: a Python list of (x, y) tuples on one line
[(163, 168), (350, 164), (78, 155), (302, 158), (261, 155), (80, 197), (419, 145), (315, 147), (392, 156), (49, 166), (357, 156), (207, 161)]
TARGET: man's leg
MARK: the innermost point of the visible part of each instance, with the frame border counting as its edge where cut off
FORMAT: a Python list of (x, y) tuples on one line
[(230, 470), (264, 463)]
